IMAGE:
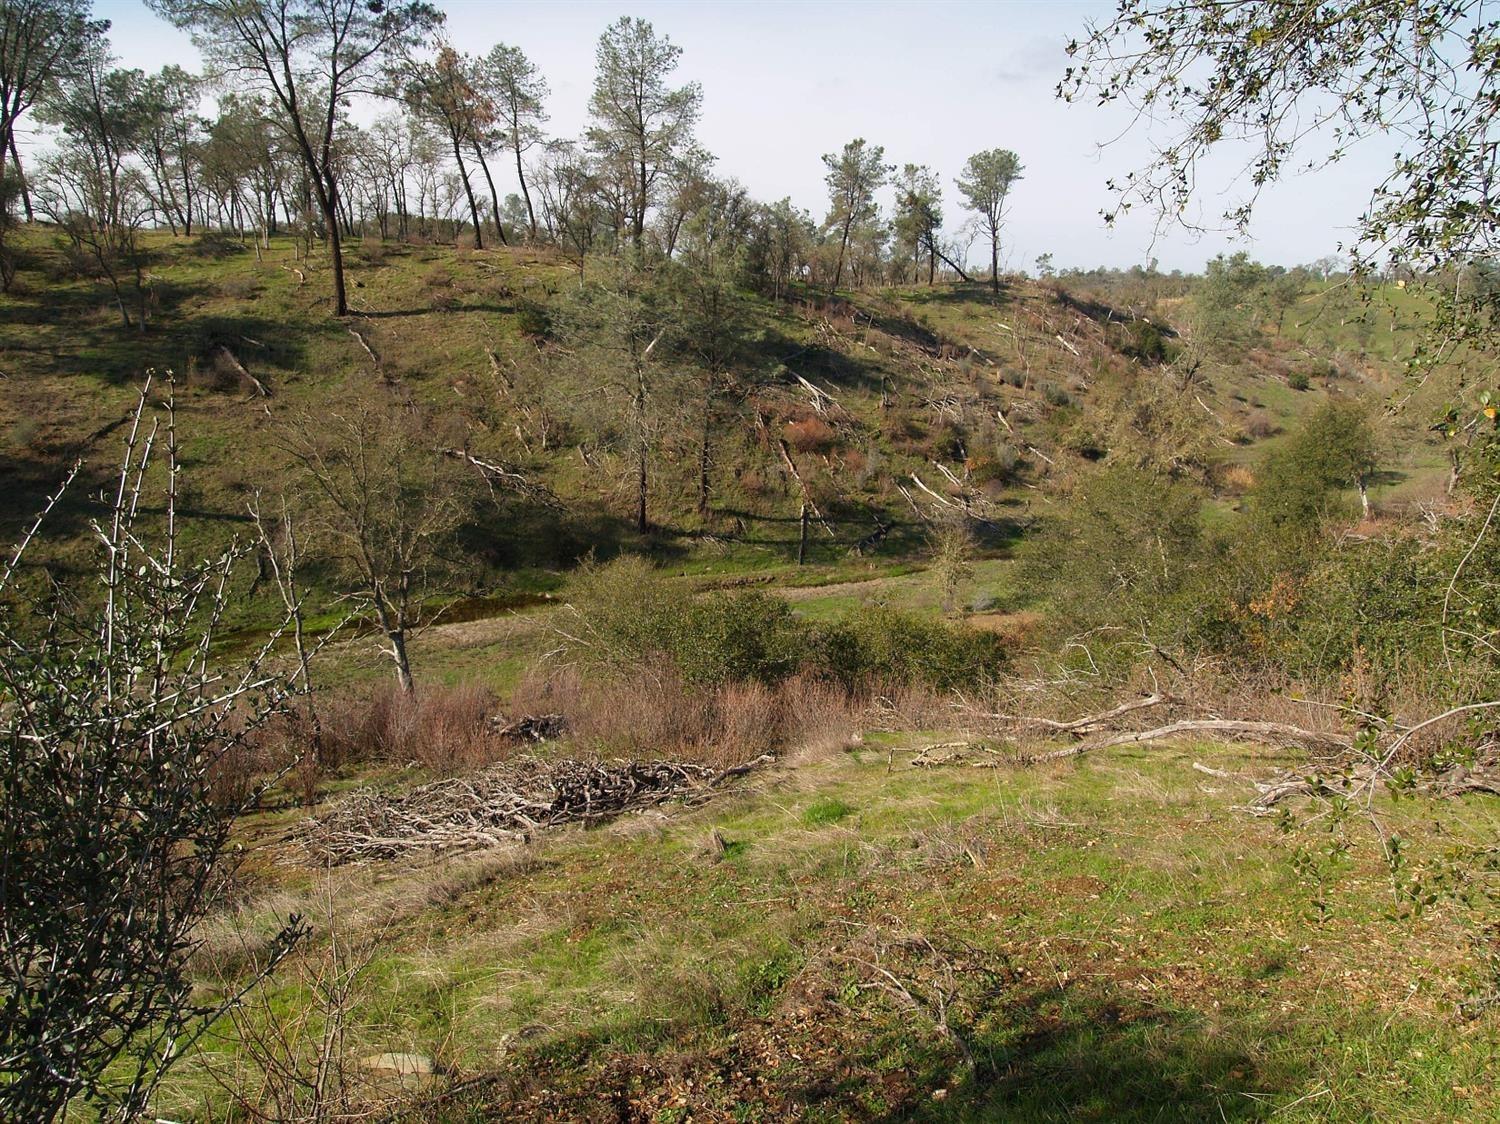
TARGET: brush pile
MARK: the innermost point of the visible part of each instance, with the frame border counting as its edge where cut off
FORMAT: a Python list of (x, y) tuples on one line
[(505, 803)]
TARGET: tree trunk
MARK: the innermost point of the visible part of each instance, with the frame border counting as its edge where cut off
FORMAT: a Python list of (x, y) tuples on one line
[(15, 159), (525, 194), (395, 634), (336, 256), (463, 175), (642, 524), (958, 269), (838, 270), (704, 449), (1364, 495), (995, 259), (638, 220), (802, 538), (484, 166)]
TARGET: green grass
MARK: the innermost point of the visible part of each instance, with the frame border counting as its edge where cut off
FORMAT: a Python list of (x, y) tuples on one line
[(1108, 940)]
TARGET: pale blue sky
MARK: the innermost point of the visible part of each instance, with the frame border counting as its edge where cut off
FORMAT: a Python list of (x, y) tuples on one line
[(933, 81)]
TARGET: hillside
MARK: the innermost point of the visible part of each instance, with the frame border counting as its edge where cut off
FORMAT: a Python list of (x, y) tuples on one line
[(950, 819), (896, 407)]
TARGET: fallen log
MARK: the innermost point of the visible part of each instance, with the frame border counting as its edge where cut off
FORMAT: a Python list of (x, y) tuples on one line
[(1088, 721), (1274, 733), (223, 353)]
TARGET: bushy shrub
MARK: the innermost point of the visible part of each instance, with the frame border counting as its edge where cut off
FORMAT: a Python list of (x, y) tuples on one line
[(1298, 380), (877, 644), (533, 320), (628, 615), (1145, 342)]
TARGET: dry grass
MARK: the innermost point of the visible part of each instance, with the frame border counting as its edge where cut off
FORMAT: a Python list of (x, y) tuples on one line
[(652, 713)]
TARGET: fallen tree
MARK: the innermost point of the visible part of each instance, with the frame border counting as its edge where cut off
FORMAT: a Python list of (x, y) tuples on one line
[(1273, 733)]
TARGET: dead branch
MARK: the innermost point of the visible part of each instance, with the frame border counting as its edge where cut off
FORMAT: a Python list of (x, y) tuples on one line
[(1086, 723), (375, 359), (223, 353), (505, 803), (1274, 733)]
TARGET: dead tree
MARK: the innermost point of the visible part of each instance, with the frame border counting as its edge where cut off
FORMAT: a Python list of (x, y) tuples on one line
[(385, 497)]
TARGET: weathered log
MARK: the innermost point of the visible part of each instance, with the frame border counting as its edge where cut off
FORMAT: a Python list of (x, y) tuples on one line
[(1275, 733)]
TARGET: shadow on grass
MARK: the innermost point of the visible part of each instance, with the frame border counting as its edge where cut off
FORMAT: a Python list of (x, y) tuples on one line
[(1073, 1055), (972, 292)]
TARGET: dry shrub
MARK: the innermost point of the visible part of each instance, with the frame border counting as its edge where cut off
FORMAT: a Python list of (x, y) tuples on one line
[(653, 713), (1261, 425), (442, 729), (810, 435), (910, 705), (1236, 479)]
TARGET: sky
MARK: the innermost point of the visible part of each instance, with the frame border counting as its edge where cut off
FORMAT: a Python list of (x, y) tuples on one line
[(785, 81)]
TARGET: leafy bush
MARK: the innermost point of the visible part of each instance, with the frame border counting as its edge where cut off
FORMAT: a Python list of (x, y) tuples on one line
[(1122, 552), (532, 319), (1055, 395), (877, 644), (1145, 342), (630, 615), (1298, 380)]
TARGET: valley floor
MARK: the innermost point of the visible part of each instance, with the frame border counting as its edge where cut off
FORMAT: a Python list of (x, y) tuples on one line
[(848, 937)]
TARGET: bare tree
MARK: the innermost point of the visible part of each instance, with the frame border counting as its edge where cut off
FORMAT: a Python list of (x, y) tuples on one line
[(389, 497), (91, 188)]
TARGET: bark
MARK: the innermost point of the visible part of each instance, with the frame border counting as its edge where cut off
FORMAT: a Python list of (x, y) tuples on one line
[(949, 262), (704, 449), (1274, 732), (463, 175), (15, 159), (484, 166), (525, 194)]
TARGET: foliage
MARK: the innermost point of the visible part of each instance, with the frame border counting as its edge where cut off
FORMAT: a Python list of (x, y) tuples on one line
[(628, 614), (1303, 483), (854, 175), (114, 715), (1285, 76), (985, 185), (1112, 558), (641, 124)]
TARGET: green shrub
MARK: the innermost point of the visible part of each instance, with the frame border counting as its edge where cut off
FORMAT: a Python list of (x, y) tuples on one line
[(878, 644), (532, 319), (631, 613), (628, 613), (1298, 380), (1145, 342), (825, 810)]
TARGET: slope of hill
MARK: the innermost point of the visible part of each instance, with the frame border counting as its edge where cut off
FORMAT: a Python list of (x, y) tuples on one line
[(882, 411)]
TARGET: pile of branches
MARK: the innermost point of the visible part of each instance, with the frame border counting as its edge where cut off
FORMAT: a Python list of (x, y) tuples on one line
[(505, 803)]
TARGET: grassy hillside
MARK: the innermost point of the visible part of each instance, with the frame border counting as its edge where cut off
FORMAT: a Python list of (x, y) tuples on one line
[(842, 928), (991, 402), (850, 937)]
